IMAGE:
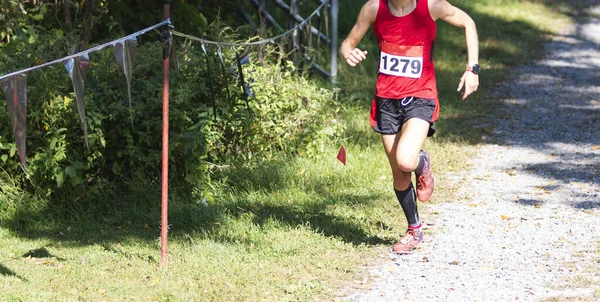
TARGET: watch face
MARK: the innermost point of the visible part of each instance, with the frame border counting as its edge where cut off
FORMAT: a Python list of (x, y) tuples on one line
[(476, 68)]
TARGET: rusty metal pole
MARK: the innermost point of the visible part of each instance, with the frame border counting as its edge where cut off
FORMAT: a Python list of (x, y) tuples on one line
[(165, 146)]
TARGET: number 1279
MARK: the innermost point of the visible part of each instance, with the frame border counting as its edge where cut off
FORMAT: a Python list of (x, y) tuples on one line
[(401, 66)]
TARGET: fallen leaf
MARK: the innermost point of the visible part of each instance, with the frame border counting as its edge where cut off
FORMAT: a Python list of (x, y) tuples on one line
[(504, 217)]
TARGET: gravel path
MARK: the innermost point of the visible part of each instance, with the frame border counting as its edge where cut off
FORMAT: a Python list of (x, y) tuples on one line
[(526, 226)]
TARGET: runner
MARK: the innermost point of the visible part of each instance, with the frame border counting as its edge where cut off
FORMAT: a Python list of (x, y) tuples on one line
[(406, 103)]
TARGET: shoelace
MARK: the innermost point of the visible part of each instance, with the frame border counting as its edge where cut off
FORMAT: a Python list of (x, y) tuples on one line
[(421, 180), (410, 235)]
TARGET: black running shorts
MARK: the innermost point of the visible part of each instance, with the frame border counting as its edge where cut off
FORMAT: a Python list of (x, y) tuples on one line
[(390, 114)]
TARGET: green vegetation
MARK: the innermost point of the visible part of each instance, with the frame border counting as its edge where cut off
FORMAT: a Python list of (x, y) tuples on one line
[(260, 209)]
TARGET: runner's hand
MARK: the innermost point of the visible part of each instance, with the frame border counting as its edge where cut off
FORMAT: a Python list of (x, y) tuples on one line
[(355, 56), (470, 81)]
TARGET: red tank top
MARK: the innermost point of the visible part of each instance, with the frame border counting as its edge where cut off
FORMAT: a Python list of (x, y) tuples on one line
[(406, 54)]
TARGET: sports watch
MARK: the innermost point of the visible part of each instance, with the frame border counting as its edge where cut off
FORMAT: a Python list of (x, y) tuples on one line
[(475, 68)]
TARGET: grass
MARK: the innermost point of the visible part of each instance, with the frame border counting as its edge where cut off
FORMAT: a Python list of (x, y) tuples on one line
[(293, 229)]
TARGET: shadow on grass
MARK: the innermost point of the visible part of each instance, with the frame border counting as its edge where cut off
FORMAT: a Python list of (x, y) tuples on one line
[(312, 209), (41, 253), (193, 218), (4, 271), (135, 219)]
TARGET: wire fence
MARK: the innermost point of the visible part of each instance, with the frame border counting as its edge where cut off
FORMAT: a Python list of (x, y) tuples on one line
[(86, 52)]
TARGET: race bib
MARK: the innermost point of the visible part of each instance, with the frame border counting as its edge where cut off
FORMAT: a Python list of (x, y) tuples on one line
[(401, 61)]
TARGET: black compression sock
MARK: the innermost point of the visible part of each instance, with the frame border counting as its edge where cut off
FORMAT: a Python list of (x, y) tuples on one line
[(408, 202)]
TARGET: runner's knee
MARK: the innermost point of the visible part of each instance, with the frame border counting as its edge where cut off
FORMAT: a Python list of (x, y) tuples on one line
[(407, 163)]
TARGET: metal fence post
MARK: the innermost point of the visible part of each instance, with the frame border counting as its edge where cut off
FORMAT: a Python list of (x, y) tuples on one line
[(334, 39), (164, 225)]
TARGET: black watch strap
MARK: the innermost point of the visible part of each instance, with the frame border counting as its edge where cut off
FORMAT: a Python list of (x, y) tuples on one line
[(475, 68)]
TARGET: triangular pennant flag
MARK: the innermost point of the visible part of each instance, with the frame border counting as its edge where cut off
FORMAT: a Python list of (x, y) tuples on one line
[(15, 91), (342, 155), (220, 53), (245, 59), (167, 40), (174, 60), (77, 68), (125, 53), (245, 88), (210, 82)]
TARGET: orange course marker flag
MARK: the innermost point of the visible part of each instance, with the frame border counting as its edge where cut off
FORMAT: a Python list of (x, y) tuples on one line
[(342, 155)]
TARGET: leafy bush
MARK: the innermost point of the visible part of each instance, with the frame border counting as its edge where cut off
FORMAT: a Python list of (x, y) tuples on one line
[(212, 124)]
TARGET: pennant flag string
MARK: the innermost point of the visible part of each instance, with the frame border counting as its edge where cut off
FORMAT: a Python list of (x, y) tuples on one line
[(14, 85), (79, 54), (261, 42)]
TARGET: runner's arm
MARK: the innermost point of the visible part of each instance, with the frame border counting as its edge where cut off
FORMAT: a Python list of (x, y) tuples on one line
[(441, 9), (365, 19)]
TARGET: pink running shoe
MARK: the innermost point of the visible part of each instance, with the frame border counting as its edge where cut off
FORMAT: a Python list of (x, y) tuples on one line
[(408, 242), (425, 182)]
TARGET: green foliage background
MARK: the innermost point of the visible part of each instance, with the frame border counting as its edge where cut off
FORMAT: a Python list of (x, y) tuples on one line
[(288, 114), (259, 207)]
